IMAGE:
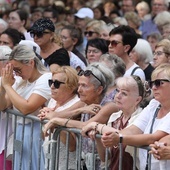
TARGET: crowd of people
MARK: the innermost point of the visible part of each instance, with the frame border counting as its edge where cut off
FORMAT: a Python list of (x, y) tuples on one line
[(101, 66)]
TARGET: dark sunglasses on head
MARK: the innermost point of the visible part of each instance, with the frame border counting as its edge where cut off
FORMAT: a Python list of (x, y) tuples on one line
[(114, 43), (87, 73), (38, 34), (157, 82), (56, 83), (89, 33)]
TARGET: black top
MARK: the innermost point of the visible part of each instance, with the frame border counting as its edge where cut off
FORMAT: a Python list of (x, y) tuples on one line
[(148, 71), (60, 57)]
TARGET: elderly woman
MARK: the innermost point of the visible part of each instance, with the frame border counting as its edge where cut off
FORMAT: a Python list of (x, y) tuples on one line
[(4, 56), (162, 53), (27, 97), (93, 84), (130, 92), (151, 125), (142, 55)]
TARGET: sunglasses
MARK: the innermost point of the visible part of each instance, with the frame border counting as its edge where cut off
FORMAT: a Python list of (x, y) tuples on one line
[(87, 73), (89, 33), (39, 34), (114, 43), (157, 82), (56, 83)]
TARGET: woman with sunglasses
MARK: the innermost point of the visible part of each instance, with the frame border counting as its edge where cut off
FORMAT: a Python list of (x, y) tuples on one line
[(93, 84), (64, 84), (43, 32), (130, 93), (27, 96), (151, 125)]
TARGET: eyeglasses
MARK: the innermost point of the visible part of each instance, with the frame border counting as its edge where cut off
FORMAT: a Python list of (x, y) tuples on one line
[(158, 53), (87, 73), (56, 83), (157, 82), (114, 43), (89, 33), (39, 34), (93, 51)]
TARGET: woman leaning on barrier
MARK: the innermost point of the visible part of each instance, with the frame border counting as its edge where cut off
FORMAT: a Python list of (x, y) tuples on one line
[(93, 84), (27, 96), (130, 92), (4, 56), (151, 125), (64, 84)]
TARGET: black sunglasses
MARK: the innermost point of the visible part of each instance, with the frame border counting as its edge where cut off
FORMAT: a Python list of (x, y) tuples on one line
[(89, 33), (157, 82), (38, 34), (87, 73), (56, 83), (114, 43)]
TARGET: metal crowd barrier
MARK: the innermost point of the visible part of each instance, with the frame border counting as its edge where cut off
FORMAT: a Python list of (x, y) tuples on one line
[(52, 155)]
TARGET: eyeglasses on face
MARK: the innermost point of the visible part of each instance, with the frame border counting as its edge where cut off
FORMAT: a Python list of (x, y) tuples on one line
[(159, 53), (56, 83), (89, 33), (93, 51), (87, 73), (114, 43), (39, 34), (157, 83)]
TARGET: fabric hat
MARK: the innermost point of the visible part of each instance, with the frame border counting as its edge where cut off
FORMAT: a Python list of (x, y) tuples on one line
[(32, 45), (41, 25), (84, 12)]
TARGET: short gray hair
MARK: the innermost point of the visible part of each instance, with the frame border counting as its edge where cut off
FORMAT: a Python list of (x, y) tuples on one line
[(5, 52), (144, 50), (103, 73), (115, 63)]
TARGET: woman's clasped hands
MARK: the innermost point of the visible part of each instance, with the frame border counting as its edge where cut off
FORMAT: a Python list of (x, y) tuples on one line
[(7, 76)]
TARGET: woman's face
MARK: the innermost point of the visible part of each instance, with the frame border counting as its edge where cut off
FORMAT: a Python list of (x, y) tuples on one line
[(62, 92), (68, 42), (90, 33), (15, 21), (160, 57), (97, 13), (87, 91), (44, 39), (6, 40), (93, 54), (134, 56), (162, 92), (23, 70), (126, 98)]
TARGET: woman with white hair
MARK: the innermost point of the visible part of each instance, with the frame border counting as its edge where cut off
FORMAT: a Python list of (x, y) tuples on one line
[(142, 55)]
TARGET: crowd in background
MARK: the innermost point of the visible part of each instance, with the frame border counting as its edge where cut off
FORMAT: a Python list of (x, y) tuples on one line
[(98, 65)]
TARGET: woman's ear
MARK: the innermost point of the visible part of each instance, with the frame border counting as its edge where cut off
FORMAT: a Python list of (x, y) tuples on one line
[(139, 99), (100, 89)]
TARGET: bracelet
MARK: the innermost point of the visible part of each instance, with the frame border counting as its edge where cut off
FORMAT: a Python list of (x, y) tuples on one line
[(67, 121), (95, 128), (101, 131)]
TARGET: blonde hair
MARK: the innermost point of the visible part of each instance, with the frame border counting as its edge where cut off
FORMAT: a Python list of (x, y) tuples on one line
[(162, 68), (71, 77)]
